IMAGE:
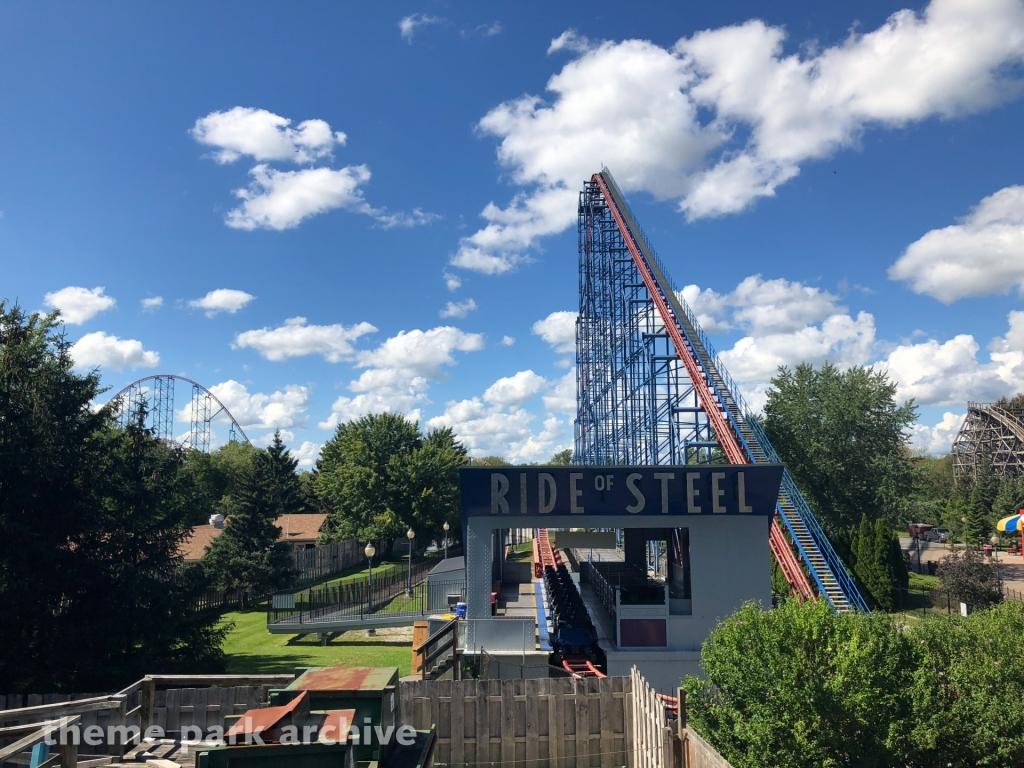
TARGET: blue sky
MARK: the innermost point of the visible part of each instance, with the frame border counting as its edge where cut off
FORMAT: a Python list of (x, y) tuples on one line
[(345, 208)]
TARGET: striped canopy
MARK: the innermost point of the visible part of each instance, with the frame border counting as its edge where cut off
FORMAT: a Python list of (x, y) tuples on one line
[(1011, 524)]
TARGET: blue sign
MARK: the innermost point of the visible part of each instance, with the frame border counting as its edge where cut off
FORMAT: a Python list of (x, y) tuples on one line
[(538, 492)]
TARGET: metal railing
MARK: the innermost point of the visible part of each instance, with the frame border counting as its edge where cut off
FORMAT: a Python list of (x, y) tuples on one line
[(357, 601)]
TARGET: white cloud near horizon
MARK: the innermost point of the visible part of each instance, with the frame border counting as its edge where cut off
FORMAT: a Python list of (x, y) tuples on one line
[(78, 305), (100, 350), (264, 136), (297, 338), (228, 300), (788, 323), (981, 255), (939, 438), (725, 117), (278, 410), (498, 424), (399, 372)]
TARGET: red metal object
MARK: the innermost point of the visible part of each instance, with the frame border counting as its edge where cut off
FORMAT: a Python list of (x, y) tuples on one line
[(788, 563), (260, 720), (712, 406), (334, 728), (581, 666)]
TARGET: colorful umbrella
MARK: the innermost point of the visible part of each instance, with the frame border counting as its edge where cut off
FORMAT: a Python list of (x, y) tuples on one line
[(1011, 524)]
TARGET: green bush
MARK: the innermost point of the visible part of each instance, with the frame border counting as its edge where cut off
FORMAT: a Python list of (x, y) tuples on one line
[(801, 686)]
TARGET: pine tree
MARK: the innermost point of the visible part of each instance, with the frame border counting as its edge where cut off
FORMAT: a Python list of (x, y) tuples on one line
[(288, 488), (882, 568), (980, 523), (247, 555), (864, 552)]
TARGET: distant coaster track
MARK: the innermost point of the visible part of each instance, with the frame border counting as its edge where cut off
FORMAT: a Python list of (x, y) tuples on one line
[(158, 394), (992, 430)]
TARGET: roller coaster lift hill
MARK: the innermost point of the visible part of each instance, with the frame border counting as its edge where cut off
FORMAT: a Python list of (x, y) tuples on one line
[(655, 408)]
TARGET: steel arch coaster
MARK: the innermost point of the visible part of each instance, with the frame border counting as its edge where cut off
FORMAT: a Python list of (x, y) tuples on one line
[(158, 393)]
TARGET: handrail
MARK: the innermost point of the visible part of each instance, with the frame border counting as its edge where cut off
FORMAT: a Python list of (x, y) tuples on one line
[(68, 752), (437, 635)]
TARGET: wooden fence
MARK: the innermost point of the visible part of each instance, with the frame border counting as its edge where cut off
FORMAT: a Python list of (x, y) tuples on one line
[(653, 739), (542, 723)]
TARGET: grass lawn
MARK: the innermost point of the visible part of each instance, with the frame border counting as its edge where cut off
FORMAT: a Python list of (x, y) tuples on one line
[(253, 650)]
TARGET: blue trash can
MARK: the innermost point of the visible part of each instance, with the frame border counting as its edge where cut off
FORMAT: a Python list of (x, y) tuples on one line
[(460, 610)]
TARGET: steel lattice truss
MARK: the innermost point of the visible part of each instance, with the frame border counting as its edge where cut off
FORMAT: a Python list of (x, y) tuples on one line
[(652, 390), (636, 403), (992, 431), (157, 393)]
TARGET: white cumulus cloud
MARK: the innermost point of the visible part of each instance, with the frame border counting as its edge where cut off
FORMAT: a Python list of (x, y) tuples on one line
[(725, 117), (452, 282), (101, 350), (154, 302), (78, 305), (460, 309), (227, 300), (263, 136), (399, 372), (507, 341), (297, 338), (981, 255), (283, 199), (951, 373), (256, 410), (308, 453), (515, 390), (939, 438), (559, 330)]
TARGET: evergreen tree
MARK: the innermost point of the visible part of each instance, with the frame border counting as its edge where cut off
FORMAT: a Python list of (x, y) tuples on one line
[(90, 521), (864, 551), (884, 574), (980, 523), (288, 486), (248, 555)]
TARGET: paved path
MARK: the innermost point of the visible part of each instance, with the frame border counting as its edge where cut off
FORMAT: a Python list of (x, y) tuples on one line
[(1011, 567)]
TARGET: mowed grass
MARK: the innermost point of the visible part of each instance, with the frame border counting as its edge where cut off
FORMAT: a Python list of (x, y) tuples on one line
[(252, 650)]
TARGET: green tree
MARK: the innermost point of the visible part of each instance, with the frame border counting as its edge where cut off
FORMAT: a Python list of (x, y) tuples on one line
[(562, 458), (379, 475), (968, 686), (980, 522), (248, 555), (232, 461), (801, 686), (288, 485), (969, 578), (843, 437), (932, 488), (495, 461), (90, 520), (135, 608)]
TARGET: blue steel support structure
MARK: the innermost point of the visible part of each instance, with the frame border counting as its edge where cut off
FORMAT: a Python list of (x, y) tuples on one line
[(652, 390)]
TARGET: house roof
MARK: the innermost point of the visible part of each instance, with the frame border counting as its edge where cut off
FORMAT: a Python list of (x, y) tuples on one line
[(302, 529)]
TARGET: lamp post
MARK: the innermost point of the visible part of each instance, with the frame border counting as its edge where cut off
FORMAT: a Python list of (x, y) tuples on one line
[(369, 551), (995, 545), (410, 535), (445, 539)]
